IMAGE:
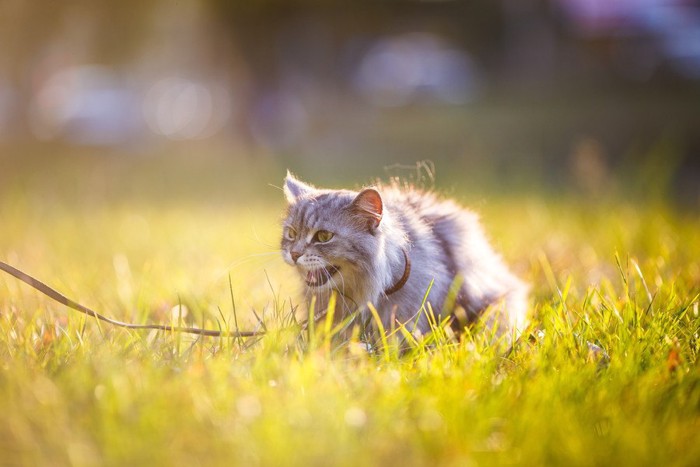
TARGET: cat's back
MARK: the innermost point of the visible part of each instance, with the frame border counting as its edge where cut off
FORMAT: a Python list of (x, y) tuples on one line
[(446, 236), (445, 231), (442, 216)]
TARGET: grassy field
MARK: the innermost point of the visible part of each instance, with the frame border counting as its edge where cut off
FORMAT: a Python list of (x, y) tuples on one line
[(608, 374)]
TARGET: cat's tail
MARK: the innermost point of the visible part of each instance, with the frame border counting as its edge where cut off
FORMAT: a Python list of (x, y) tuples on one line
[(508, 317)]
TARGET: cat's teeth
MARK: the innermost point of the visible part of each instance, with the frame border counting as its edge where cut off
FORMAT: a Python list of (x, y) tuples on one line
[(318, 277), (313, 276), (310, 276)]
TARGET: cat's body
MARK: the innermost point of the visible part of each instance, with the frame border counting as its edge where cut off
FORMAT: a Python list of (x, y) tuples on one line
[(388, 246)]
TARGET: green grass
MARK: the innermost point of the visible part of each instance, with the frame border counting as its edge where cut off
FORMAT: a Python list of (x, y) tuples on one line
[(621, 275)]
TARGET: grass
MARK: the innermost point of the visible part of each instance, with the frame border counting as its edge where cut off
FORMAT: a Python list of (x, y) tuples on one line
[(609, 373)]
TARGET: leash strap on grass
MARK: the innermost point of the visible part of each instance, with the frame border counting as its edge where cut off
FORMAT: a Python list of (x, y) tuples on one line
[(62, 299)]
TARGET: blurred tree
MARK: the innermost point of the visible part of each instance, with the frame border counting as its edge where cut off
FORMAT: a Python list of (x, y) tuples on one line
[(271, 33), (112, 30), (36, 36)]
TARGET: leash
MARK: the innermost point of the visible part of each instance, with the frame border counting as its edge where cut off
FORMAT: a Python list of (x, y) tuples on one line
[(62, 299)]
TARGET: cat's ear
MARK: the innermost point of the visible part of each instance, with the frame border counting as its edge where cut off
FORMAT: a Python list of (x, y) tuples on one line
[(294, 189), (369, 205)]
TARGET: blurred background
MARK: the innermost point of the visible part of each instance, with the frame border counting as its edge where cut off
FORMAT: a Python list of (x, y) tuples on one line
[(215, 98)]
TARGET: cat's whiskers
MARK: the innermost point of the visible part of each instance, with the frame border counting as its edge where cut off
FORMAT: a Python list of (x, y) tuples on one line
[(254, 256), (266, 257), (342, 292)]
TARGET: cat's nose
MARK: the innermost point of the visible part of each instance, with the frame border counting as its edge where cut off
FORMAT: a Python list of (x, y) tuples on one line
[(295, 255)]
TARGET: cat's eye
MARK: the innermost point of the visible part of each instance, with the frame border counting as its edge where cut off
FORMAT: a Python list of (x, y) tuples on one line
[(323, 236), (290, 233)]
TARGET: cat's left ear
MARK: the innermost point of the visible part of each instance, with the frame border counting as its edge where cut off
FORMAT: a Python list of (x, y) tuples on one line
[(295, 189), (369, 205)]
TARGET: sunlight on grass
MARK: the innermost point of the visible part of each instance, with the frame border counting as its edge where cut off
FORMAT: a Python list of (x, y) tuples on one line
[(607, 373)]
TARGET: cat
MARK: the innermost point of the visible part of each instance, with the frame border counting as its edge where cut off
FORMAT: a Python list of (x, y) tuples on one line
[(391, 247)]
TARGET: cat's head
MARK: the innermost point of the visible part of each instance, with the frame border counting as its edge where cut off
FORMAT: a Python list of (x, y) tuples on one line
[(332, 237)]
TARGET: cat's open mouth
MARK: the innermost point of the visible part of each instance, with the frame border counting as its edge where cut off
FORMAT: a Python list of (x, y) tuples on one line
[(320, 276)]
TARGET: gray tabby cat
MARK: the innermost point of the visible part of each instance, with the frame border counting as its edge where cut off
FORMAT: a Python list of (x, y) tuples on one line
[(387, 245)]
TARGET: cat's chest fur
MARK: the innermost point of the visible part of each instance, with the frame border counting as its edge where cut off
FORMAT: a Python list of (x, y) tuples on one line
[(406, 252)]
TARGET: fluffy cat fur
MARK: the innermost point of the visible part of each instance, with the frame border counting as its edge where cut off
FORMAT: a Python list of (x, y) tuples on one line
[(364, 257)]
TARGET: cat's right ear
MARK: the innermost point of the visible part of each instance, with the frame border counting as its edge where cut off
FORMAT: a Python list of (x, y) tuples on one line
[(295, 189), (369, 206)]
